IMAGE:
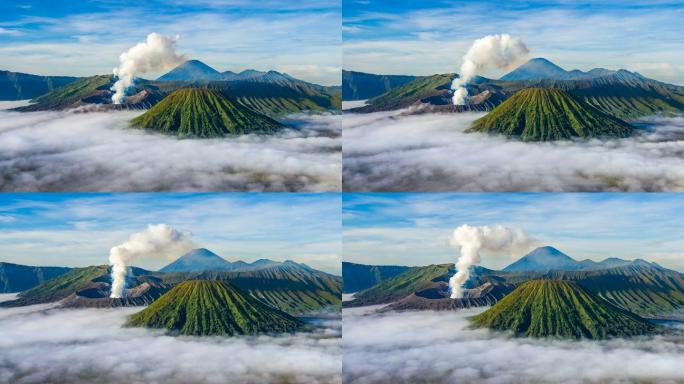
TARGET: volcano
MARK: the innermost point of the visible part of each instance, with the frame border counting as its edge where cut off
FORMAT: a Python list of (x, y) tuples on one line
[(202, 259), (563, 309), (544, 259), (548, 114), (437, 298), (209, 307), (203, 113), (191, 70)]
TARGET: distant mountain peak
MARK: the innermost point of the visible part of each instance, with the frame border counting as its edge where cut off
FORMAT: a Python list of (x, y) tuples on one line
[(197, 260), (543, 259), (540, 68), (191, 70), (535, 69)]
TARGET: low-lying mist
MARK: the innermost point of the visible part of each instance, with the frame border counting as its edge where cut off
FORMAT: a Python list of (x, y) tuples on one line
[(391, 151), (89, 346), (438, 347), (96, 151)]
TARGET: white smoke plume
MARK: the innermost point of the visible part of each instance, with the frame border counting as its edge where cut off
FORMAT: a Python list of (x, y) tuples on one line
[(472, 240), (155, 54), (157, 241), (499, 51)]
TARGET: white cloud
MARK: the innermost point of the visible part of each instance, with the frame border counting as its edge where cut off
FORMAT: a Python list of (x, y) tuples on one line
[(86, 345), (96, 152), (10, 32), (224, 40), (427, 41), (438, 347), (387, 151), (7, 219)]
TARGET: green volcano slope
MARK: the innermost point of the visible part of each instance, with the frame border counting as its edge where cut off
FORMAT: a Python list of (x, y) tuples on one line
[(639, 287), (205, 307), (59, 287), (401, 285), (288, 286), (545, 114), (555, 308), (205, 113), (70, 95)]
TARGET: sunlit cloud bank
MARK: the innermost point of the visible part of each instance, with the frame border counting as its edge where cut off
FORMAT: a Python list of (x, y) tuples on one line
[(78, 346), (391, 151), (353, 104), (437, 347), (96, 151)]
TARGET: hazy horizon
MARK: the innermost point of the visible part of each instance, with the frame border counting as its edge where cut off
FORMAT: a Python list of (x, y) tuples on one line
[(84, 39), (78, 230), (414, 228), (430, 37)]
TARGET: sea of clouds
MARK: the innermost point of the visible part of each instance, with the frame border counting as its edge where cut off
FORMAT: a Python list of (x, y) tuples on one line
[(96, 151), (439, 347), (42, 345), (396, 151)]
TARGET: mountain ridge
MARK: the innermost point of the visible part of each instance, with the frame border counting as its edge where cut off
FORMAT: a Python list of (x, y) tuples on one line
[(18, 277), (203, 113), (208, 307), (548, 114), (555, 308), (540, 68), (361, 86), (20, 86), (622, 94)]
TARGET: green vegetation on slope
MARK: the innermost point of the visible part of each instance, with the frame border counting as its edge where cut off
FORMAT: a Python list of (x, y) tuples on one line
[(621, 94), (71, 94), (290, 287), (205, 113), (203, 308), (358, 277), (60, 287), (21, 86), (362, 86), (402, 285), (16, 278), (545, 114), (555, 308), (643, 289), (407, 94)]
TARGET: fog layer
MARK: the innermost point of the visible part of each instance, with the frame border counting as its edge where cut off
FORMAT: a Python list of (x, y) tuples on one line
[(86, 346), (396, 152), (437, 347), (96, 151)]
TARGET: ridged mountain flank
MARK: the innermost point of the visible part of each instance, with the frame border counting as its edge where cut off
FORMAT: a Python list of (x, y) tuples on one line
[(205, 307), (563, 309), (203, 113), (548, 114)]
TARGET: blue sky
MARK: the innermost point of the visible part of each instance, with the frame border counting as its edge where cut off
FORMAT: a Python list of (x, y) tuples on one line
[(413, 229), (62, 37), (426, 37), (79, 229)]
